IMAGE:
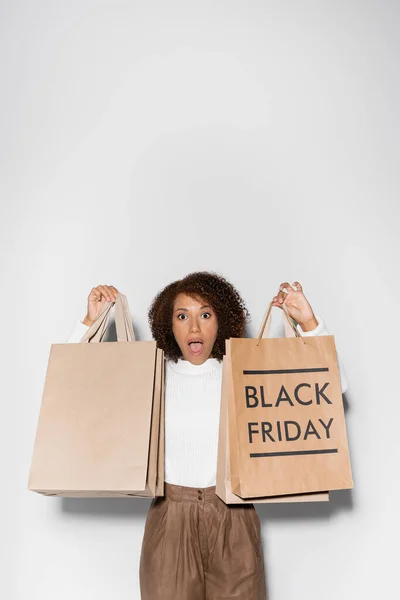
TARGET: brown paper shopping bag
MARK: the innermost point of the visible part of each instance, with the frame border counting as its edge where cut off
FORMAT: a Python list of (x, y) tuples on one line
[(100, 430), (224, 486), (287, 430)]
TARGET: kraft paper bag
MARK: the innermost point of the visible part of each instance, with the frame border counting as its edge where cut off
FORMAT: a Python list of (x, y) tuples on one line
[(287, 430), (100, 431), (223, 484)]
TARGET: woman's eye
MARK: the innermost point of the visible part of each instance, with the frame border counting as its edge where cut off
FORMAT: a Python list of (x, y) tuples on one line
[(184, 316)]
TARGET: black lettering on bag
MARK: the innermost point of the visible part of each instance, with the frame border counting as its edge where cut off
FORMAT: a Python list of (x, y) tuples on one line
[(326, 426), (296, 394), (263, 403), (252, 396), (265, 431), (286, 424), (283, 397), (319, 393), (278, 426), (310, 430), (251, 432)]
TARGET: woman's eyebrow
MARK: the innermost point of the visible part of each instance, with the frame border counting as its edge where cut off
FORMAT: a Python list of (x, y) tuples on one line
[(201, 307)]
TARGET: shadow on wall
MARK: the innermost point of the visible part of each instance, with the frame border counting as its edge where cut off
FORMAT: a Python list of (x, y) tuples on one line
[(107, 507), (339, 500)]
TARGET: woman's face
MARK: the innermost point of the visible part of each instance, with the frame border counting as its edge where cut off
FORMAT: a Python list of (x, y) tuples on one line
[(195, 327)]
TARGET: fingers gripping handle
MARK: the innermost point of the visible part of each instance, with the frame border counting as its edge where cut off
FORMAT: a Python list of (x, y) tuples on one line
[(123, 322), (97, 329)]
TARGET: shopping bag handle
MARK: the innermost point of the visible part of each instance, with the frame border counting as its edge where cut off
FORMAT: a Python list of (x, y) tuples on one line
[(265, 325), (123, 322)]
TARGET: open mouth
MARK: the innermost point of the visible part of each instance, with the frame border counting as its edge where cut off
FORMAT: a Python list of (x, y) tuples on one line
[(196, 347)]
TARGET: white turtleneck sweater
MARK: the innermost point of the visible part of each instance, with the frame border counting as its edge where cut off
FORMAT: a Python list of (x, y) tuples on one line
[(192, 402)]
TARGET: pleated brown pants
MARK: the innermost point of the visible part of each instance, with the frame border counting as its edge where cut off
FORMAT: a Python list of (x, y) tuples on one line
[(195, 547)]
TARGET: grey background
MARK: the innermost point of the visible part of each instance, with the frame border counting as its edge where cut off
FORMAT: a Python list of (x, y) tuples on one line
[(142, 141)]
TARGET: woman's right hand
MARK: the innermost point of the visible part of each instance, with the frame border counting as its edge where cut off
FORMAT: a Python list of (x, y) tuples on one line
[(96, 301)]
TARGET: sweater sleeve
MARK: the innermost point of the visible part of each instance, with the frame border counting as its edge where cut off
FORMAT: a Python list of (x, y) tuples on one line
[(77, 332), (321, 329)]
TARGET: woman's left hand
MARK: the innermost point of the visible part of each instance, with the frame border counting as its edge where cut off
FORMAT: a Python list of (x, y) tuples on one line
[(297, 305)]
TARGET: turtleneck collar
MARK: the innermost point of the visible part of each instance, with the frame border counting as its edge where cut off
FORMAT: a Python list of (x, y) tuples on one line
[(187, 368)]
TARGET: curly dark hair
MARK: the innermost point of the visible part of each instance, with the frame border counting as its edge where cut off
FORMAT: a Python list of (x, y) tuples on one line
[(213, 288)]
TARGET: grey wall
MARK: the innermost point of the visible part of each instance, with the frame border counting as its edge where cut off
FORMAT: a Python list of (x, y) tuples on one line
[(144, 140)]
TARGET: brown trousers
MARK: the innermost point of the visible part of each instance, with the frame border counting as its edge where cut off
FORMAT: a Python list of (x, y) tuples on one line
[(195, 547)]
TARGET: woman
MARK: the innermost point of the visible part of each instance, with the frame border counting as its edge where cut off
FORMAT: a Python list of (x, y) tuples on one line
[(194, 545)]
